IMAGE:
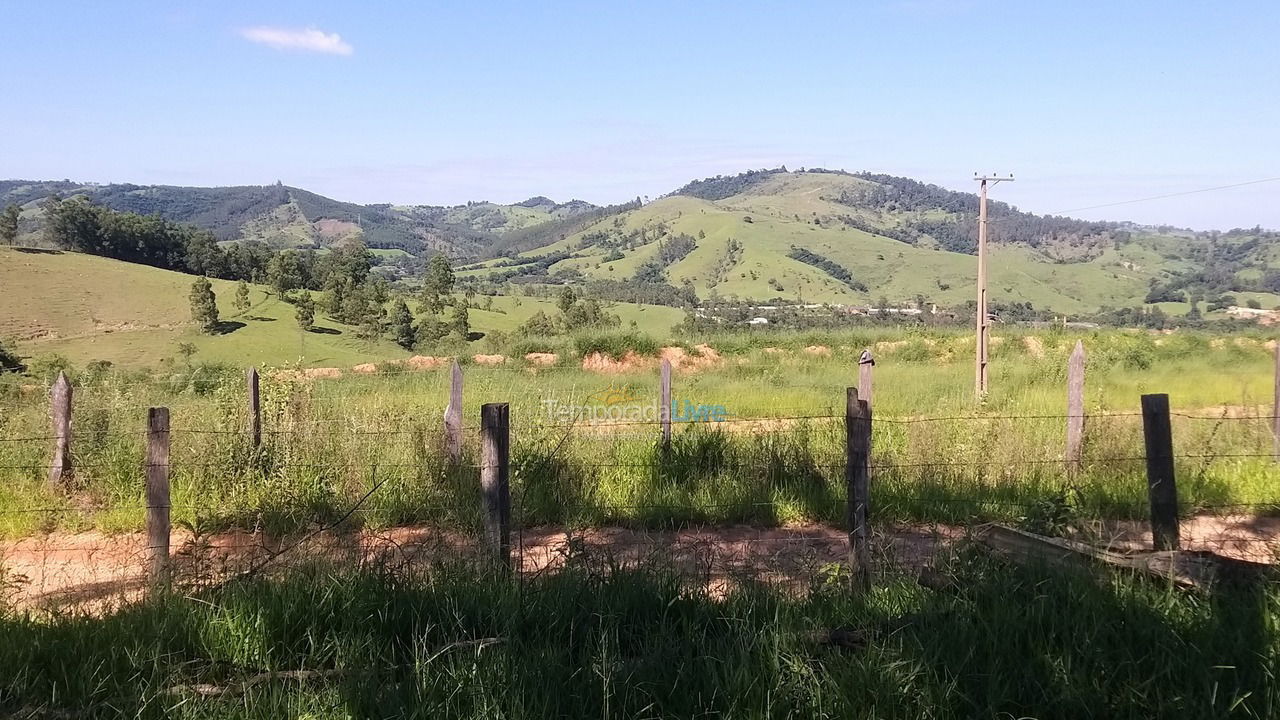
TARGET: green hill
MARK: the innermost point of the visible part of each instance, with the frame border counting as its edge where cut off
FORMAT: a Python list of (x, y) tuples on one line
[(814, 236), (829, 237), (288, 217), (89, 308)]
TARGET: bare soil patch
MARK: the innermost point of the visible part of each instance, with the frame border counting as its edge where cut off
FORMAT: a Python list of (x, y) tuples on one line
[(95, 571)]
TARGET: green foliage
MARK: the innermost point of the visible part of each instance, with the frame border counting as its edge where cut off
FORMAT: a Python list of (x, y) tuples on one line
[(615, 344), (828, 266), (305, 311), (242, 302), (437, 284), (460, 321), (204, 305), (402, 331), (9, 360), (9, 224)]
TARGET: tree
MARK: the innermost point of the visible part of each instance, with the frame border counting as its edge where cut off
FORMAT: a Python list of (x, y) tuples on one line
[(460, 323), (9, 224), (430, 330), (9, 360), (370, 327), (242, 302), (186, 350), (204, 304), (437, 283), (566, 299), (402, 331), (306, 311)]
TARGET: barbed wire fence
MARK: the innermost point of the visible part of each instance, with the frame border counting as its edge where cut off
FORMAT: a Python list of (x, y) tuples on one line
[(787, 498)]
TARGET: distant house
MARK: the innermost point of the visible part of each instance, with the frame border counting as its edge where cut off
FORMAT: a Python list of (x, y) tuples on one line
[(1247, 312), (758, 321)]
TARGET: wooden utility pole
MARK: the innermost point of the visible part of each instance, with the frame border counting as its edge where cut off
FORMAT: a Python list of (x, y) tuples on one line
[(980, 384)]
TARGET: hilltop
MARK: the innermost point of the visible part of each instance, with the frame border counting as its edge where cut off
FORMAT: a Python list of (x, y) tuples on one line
[(288, 217)]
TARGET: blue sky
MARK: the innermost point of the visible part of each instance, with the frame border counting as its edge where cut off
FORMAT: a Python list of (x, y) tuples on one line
[(438, 103)]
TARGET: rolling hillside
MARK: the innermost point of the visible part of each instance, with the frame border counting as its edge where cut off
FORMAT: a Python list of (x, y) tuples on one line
[(287, 217), (802, 236), (91, 308), (814, 236)]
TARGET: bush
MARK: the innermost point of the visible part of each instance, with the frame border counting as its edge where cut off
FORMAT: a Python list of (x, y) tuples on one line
[(615, 345)]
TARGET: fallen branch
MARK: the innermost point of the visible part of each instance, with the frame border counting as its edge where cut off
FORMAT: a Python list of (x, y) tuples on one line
[(1184, 568)]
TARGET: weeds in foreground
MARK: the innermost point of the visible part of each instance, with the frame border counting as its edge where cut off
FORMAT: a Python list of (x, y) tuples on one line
[(455, 642)]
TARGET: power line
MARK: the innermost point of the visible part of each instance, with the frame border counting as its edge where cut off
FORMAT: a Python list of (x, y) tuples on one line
[(1167, 195)]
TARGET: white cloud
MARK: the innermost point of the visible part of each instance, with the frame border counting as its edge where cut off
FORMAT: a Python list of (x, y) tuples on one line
[(304, 40)]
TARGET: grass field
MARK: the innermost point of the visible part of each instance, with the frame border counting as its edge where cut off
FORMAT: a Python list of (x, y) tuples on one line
[(331, 441), (450, 642), (89, 308)]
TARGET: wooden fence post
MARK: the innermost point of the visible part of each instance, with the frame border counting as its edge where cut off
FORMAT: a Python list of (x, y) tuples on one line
[(1161, 488), (857, 476), (453, 417), (158, 503), (865, 364), (664, 403), (1275, 410), (1075, 409), (60, 414), (495, 438), (255, 408)]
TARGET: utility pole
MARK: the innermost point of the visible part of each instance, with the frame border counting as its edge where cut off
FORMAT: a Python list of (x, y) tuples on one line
[(983, 354)]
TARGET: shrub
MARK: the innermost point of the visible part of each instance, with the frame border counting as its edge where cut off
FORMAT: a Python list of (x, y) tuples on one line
[(615, 345)]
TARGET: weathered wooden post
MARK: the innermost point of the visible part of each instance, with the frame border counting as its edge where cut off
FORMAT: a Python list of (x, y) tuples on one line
[(1161, 487), (865, 364), (495, 438), (60, 414), (1075, 409), (664, 403), (255, 408), (453, 417), (857, 476), (1275, 410), (158, 503)]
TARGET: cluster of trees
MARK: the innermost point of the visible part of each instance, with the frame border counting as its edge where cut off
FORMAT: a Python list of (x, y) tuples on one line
[(77, 224), (827, 265), (957, 230), (721, 187), (437, 287), (669, 253), (9, 224), (353, 296), (575, 313), (726, 262)]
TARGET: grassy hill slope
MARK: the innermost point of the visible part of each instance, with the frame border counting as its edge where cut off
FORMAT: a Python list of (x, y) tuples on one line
[(91, 308), (777, 215)]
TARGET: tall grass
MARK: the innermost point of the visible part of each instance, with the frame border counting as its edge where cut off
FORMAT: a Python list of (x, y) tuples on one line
[(456, 642), (937, 454)]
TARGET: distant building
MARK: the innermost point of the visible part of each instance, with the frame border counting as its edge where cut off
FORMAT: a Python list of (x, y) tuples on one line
[(758, 321), (1247, 312)]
